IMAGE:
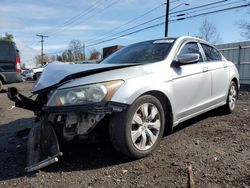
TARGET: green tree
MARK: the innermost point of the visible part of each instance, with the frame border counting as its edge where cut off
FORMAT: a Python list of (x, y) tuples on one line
[(7, 37)]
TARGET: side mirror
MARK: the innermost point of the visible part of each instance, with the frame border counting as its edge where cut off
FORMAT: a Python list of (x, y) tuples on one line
[(188, 58)]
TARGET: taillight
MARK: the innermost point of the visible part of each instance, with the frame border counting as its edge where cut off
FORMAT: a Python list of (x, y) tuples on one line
[(18, 64)]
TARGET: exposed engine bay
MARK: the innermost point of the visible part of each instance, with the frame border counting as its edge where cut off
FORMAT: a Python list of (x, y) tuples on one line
[(54, 124)]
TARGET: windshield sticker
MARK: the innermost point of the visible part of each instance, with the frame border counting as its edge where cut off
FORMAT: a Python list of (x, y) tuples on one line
[(163, 41)]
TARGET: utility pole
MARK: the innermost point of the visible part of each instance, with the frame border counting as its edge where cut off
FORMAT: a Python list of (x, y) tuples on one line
[(42, 36), (166, 19), (83, 50)]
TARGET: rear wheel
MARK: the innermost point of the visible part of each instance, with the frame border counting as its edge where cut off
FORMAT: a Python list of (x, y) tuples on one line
[(1, 85), (232, 97), (136, 131)]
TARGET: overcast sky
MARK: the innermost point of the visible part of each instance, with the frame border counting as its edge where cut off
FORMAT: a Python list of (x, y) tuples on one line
[(24, 19)]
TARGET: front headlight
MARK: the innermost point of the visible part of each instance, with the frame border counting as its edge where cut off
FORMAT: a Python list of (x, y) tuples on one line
[(84, 94)]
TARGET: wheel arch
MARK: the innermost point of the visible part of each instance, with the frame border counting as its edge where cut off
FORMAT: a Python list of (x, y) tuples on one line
[(2, 78), (234, 79), (129, 93)]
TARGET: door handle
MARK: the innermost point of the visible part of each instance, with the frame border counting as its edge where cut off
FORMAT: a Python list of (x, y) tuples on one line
[(205, 69)]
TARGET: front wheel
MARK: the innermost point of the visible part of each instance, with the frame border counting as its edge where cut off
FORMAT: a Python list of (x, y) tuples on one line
[(37, 75), (136, 131), (232, 97)]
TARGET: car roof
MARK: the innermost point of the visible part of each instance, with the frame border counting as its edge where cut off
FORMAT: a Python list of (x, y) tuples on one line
[(180, 38)]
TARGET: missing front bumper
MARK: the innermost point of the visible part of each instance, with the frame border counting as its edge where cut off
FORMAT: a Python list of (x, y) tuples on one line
[(43, 147)]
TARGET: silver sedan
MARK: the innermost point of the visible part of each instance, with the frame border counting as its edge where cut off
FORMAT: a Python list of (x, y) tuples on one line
[(142, 91)]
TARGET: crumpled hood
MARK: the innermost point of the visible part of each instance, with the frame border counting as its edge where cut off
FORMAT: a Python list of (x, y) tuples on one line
[(56, 72)]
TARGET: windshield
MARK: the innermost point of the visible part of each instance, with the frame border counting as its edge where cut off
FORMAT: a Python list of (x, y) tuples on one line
[(144, 52)]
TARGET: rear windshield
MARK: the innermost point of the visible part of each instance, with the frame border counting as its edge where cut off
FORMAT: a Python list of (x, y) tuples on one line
[(8, 50), (144, 52), (4, 50)]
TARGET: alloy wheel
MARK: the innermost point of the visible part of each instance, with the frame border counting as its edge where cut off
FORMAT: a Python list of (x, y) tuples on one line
[(146, 125), (232, 98)]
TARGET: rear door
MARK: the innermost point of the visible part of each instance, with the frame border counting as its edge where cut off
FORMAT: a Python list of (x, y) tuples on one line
[(7, 57), (219, 71), (191, 84)]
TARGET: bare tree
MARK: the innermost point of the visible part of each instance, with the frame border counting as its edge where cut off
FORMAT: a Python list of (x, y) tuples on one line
[(245, 27), (76, 48), (59, 58), (52, 58), (208, 32), (94, 55), (67, 55), (40, 60)]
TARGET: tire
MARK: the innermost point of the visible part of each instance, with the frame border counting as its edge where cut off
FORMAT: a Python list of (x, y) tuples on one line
[(143, 124), (1, 85), (37, 75), (232, 97)]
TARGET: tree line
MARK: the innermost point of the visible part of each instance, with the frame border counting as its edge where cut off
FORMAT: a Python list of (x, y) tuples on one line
[(74, 53), (7, 37)]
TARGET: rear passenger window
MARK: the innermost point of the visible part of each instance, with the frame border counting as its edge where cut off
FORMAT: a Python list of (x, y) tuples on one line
[(211, 53)]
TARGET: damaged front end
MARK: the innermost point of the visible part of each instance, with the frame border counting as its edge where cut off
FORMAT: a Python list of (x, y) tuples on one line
[(56, 124), (43, 146)]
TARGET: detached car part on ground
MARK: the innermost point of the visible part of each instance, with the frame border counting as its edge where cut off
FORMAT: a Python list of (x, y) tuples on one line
[(142, 91)]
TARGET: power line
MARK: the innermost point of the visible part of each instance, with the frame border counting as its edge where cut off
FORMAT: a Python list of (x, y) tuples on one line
[(144, 23), (104, 38), (213, 7), (212, 12), (184, 16), (126, 23), (146, 28), (77, 17), (72, 23), (83, 13), (197, 7), (178, 19)]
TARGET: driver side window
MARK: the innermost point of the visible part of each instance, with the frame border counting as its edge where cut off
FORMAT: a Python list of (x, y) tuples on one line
[(191, 47)]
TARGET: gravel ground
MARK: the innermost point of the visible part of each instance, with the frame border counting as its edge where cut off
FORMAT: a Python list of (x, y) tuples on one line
[(216, 145)]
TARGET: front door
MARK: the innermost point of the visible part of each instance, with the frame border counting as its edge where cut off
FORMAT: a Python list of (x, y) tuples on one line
[(191, 84)]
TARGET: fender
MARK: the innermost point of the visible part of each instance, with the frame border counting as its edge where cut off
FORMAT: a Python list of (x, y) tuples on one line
[(127, 94), (233, 73)]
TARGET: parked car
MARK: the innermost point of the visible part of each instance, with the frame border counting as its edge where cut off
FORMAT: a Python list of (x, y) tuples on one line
[(10, 67), (142, 91), (35, 73)]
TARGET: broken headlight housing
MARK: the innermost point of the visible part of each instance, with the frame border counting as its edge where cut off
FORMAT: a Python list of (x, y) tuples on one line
[(85, 94)]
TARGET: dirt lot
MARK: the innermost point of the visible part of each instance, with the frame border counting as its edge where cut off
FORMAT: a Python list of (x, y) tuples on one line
[(217, 146)]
